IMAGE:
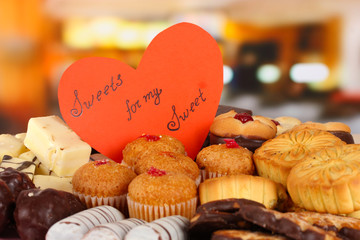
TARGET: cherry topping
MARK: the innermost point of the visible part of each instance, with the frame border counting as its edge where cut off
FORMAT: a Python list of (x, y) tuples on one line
[(243, 117), (230, 143), (101, 162), (276, 122), (151, 138), (156, 172)]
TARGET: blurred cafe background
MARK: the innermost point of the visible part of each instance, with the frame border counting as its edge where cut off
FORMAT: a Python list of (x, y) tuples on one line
[(297, 58)]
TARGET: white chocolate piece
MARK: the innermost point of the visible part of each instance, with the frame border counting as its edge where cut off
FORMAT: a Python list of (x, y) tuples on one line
[(10, 145), (56, 145), (58, 183), (76, 226), (172, 227), (20, 136), (40, 169), (18, 164), (113, 231)]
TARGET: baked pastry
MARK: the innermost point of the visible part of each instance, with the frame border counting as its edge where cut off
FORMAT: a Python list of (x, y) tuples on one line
[(113, 231), (247, 130), (243, 186), (150, 143), (16, 181), (224, 159), (156, 194), (224, 109), (7, 205), (103, 182), (282, 224), (343, 227), (244, 235), (169, 162), (216, 215), (275, 158), (339, 129), (328, 181), (37, 210), (78, 224), (171, 227), (285, 123)]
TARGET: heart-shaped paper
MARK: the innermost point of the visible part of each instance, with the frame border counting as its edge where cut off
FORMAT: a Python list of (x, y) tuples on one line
[(174, 91)]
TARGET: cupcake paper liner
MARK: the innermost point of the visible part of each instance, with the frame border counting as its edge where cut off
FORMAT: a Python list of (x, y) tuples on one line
[(206, 175), (118, 202), (149, 213)]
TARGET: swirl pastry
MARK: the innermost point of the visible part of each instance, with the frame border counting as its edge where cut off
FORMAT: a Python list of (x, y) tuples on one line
[(341, 130), (328, 181), (247, 130), (275, 158)]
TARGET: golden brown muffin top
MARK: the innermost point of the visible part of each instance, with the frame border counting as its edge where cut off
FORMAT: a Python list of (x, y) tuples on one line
[(291, 147), (329, 126), (169, 162), (255, 127), (157, 187), (225, 160), (102, 178), (150, 143)]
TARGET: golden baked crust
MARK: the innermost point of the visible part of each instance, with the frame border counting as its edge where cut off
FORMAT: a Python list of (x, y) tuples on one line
[(286, 123), (141, 146), (244, 235), (328, 181), (275, 158), (171, 188), (254, 188), (102, 178), (225, 125), (169, 162), (329, 126), (224, 160)]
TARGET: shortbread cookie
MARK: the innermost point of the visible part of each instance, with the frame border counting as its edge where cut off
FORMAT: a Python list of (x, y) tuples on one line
[(244, 235), (280, 223), (328, 181), (247, 130), (285, 123), (275, 158), (344, 227)]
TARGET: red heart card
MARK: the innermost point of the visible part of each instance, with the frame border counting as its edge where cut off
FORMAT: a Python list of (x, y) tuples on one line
[(175, 91)]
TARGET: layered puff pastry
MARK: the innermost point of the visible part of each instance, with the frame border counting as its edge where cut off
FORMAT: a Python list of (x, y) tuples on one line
[(277, 156), (328, 181)]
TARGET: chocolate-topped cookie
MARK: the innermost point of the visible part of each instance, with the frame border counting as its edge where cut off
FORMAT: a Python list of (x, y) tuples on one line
[(244, 235), (282, 224), (16, 181), (7, 204), (37, 210)]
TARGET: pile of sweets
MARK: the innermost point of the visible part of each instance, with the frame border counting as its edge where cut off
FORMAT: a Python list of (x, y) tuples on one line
[(254, 178)]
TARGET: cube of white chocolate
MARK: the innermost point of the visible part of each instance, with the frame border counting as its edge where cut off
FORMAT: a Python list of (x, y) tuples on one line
[(10, 145), (40, 169), (58, 183), (56, 146)]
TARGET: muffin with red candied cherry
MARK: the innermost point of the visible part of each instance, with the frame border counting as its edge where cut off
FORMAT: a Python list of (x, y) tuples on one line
[(247, 130), (169, 162), (103, 182), (225, 159), (150, 143), (157, 193)]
